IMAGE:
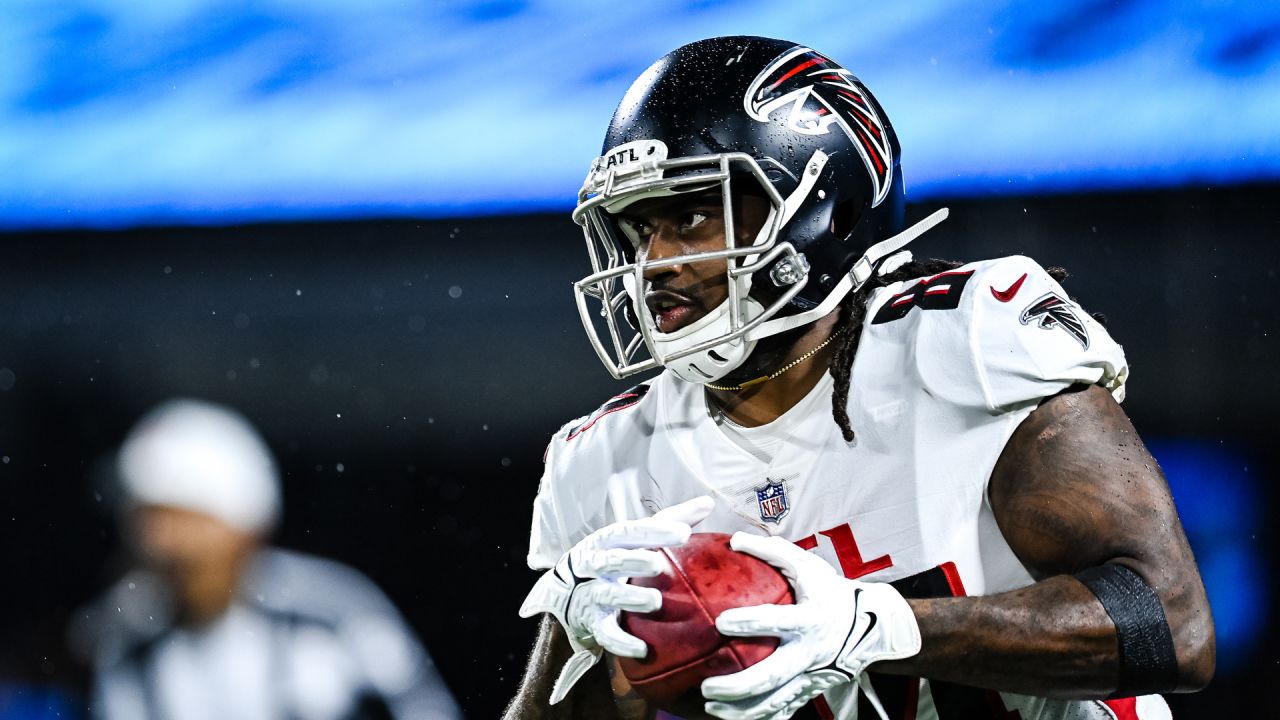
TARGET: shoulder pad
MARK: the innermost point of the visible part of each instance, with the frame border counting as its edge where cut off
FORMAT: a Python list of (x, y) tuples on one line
[(1032, 340), (993, 334)]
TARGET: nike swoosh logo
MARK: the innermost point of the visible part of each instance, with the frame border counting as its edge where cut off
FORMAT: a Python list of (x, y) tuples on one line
[(857, 595), (870, 626), (1007, 295)]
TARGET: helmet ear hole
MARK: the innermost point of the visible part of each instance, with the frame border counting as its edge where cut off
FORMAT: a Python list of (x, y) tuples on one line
[(844, 218)]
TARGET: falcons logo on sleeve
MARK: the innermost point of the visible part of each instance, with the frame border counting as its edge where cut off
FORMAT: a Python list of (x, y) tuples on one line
[(1050, 312), (820, 93)]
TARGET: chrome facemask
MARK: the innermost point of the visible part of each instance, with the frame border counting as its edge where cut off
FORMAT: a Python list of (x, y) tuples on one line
[(611, 299)]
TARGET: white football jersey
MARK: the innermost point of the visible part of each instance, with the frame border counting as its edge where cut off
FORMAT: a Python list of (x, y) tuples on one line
[(946, 369)]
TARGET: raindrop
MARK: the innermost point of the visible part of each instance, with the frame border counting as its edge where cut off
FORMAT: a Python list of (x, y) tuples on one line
[(455, 292)]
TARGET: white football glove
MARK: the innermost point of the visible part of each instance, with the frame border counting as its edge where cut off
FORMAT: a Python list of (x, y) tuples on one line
[(588, 586), (836, 628)]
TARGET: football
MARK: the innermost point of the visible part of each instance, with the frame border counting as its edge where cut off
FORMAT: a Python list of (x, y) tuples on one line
[(704, 578)]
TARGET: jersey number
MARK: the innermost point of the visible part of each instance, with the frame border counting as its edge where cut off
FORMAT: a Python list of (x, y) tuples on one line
[(940, 292)]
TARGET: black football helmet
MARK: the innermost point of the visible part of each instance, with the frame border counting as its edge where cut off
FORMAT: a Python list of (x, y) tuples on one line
[(742, 114)]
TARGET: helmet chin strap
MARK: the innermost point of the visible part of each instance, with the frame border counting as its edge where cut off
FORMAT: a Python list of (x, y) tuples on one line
[(709, 366), (855, 279)]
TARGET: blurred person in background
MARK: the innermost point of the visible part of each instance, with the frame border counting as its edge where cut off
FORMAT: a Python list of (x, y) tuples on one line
[(213, 624)]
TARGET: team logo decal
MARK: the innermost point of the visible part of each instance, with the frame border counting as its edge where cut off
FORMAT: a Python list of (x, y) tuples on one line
[(1051, 312), (773, 501), (820, 94)]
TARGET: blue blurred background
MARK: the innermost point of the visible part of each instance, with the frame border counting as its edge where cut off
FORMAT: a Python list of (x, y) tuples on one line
[(117, 113), (350, 221)]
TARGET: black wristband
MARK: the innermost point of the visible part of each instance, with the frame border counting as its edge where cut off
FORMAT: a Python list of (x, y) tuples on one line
[(1147, 660)]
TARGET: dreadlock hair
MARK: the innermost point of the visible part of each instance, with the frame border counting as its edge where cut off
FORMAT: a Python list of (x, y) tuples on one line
[(853, 311)]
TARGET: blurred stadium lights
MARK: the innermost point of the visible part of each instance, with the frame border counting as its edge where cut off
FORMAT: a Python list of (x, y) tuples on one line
[(116, 113), (1219, 498)]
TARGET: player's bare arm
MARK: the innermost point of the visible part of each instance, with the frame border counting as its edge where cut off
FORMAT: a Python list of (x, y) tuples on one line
[(592, 696), (629, 703), (1074, 488)]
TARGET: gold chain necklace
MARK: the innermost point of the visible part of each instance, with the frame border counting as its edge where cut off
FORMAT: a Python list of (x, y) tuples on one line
[(781, 370)]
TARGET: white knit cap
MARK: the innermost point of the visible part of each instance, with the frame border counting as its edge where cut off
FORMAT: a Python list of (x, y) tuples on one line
[(203, 457)]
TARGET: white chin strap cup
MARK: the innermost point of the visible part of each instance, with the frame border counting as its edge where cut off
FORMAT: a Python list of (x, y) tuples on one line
[(712, 364)]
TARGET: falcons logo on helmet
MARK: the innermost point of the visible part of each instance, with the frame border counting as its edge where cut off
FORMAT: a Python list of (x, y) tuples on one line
[(820, 94), (1051, 312)]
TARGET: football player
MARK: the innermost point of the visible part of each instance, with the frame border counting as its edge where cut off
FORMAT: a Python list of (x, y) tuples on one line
[(932, 453)]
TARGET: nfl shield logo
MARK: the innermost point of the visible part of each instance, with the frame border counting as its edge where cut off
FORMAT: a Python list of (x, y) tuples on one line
[(773, 502)]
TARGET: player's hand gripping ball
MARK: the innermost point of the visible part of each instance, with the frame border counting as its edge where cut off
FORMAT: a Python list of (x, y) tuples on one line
[(705, 577)]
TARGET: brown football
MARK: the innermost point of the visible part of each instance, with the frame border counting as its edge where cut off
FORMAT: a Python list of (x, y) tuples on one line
[(705, 577)]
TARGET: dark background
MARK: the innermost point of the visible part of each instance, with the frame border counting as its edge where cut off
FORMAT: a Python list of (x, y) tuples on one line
[(408, 375)]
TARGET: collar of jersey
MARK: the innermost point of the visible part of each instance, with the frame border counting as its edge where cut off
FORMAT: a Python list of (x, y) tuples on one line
[(784, 424), (694, 436)]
